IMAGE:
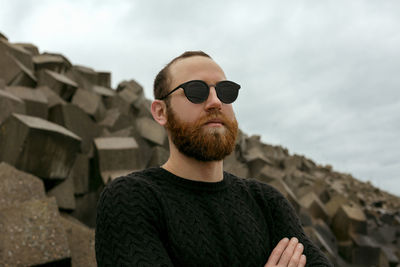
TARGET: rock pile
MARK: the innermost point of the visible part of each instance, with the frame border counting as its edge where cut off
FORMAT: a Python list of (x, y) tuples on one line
[(65, 133)]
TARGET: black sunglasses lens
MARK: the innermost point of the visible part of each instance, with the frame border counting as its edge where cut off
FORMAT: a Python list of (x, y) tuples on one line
[(227, 91), (196, 91)]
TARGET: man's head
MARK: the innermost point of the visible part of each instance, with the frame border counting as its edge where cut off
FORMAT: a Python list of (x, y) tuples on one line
[(205, 131)]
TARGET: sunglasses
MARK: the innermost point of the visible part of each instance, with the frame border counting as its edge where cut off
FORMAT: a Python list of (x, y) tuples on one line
[(197, 91)]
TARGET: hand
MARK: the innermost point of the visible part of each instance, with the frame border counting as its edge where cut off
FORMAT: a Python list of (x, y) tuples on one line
[(287, 253)]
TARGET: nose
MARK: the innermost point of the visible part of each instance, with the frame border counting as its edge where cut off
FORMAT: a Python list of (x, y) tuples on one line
[(213, 101)]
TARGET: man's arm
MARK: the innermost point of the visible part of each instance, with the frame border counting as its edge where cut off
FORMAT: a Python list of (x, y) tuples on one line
[(287, 224), (287, 253), (127, 232)]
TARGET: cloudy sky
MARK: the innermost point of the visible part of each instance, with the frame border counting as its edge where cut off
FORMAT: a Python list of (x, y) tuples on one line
[(319, 77)]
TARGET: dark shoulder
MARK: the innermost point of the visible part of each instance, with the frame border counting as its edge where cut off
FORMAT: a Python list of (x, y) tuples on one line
[(258, 188), (132, 184)]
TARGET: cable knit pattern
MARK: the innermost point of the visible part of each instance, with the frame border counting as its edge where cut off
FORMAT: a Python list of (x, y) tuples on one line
[(154, 218)]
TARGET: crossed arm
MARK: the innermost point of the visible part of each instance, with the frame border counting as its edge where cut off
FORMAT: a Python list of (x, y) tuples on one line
[(287, 253)]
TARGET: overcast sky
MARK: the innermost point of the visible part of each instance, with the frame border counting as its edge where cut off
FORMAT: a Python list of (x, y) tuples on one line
[(320, 78)]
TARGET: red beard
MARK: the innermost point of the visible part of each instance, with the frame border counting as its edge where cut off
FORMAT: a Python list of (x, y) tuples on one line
[(193, 140)]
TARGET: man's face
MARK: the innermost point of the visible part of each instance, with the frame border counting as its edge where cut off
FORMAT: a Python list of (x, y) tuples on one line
[(205, 131)]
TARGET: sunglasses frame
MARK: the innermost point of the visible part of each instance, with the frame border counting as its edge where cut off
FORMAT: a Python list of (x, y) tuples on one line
[(183, 86)]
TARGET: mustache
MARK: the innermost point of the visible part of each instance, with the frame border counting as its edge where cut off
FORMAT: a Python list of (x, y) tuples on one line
[(213, 114)]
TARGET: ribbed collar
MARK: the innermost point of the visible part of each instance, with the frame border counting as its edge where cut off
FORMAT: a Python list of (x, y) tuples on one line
[(191, 184)]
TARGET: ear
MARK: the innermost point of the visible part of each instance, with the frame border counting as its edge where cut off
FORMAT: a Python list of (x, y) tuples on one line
[(159, 111)]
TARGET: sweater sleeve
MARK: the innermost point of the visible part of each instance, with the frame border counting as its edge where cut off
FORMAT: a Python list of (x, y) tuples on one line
[(128, 226), (284, 222)]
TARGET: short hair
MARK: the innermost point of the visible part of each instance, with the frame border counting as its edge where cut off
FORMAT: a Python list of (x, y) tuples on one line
[(162, 80)]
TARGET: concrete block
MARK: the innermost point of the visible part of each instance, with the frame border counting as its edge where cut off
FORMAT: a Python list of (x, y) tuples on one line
[(86, 205), (31, 48), (104, 92), (90, 102), (13, 72), (59, 83), (52, 98), (2, 84), (256, 161), (35, 100), (117, 102), (77, 121), (334, 204), (19, 53), (51, 61), (39, 147), (349, 220), (84, 76), (159, 156), (115, 120), (64, 194), (269, 173), (2, 36), (80, 174), (293, 163), (32, 234), (17, 186), (81, 242), (314, 205), (236, 167), (9, 104), (131, 92), (151, 130), (104, 79), (116, 156), (275, 153), (366, 252)]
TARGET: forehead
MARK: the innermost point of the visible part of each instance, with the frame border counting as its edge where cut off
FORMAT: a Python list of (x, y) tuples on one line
[(195, 68)]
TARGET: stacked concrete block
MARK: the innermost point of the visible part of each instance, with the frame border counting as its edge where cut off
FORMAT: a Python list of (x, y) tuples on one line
[(35, 100), (64, 192), (150, 130), (59, 83), (159, 156), (256, 161), (31, 234), (31, 48), (90, 102), (77, 121), (80, 174), (17, 186), (84, 76), (9, 104), (81, 242), (269, 173), (37, 146), (314, 205), (12, 70), (349, 220), (116, 156), (233, 165), (51, 96), (50, 61), (84, 106), (115, 120)]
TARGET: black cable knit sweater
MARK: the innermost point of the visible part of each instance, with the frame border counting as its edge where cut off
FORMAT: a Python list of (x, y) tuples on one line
[(154, 218)]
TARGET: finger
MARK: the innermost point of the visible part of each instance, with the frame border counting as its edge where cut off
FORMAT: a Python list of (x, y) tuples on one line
[(298, 251), (277, 252), (303, 261), (288, 253)]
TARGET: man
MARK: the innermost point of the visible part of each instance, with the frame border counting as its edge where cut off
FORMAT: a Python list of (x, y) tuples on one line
[(189, 212)]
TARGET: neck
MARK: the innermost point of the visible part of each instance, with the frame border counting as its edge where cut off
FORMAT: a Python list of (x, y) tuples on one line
[(192, 169)]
